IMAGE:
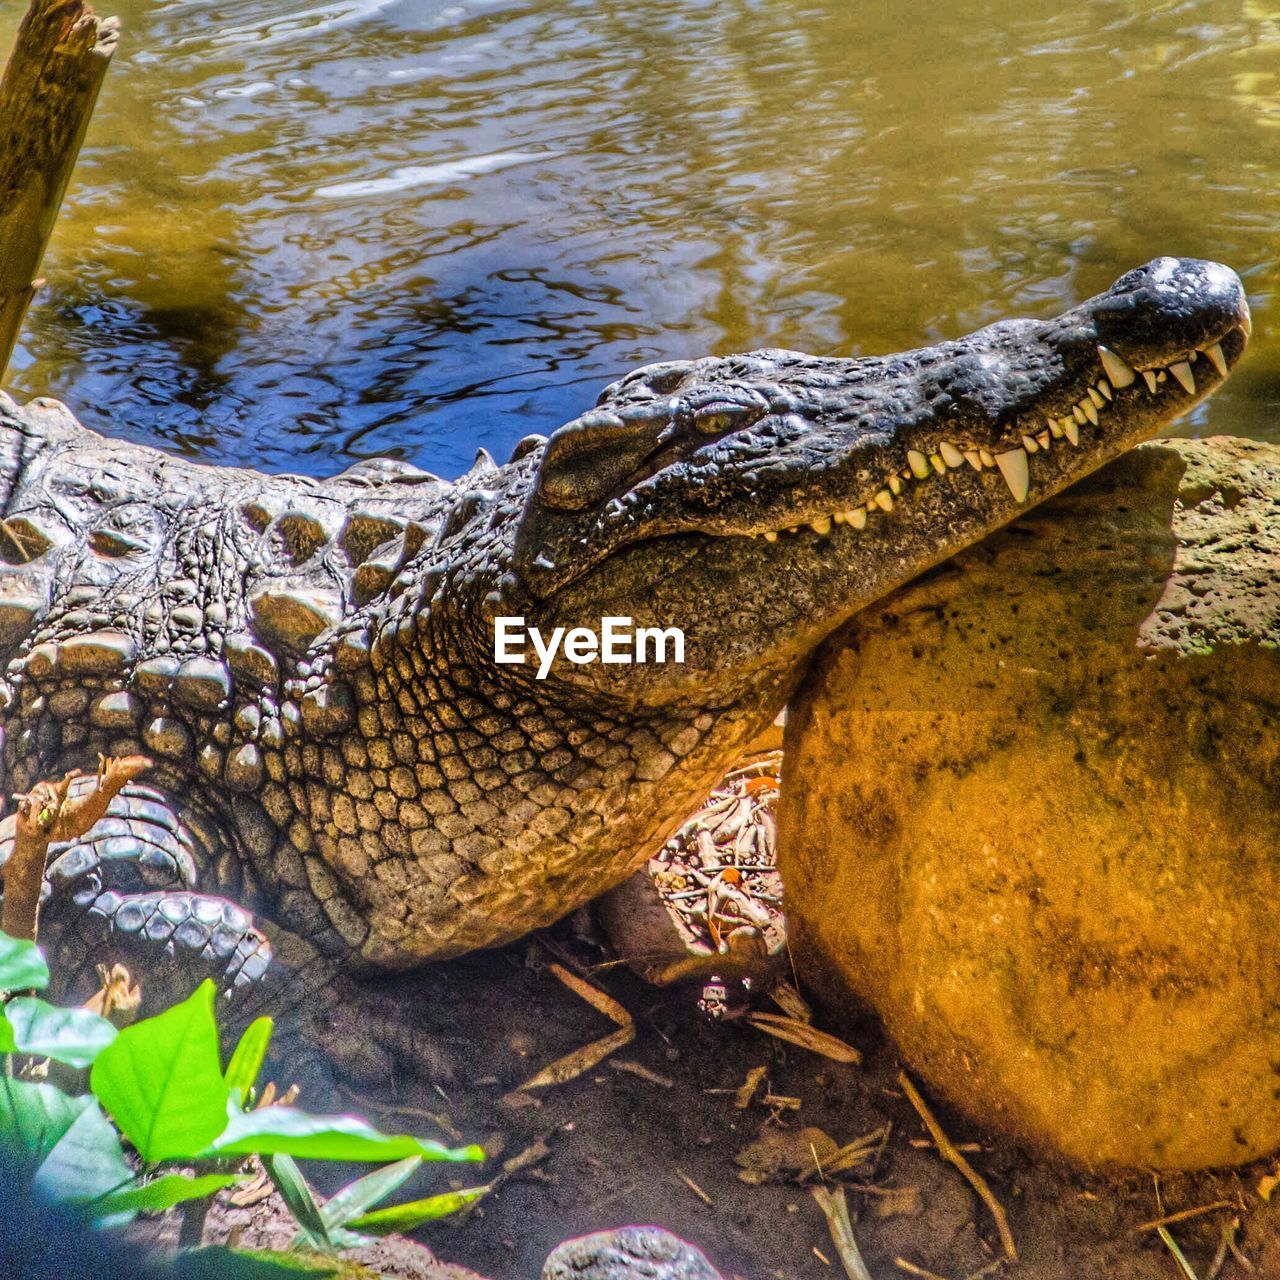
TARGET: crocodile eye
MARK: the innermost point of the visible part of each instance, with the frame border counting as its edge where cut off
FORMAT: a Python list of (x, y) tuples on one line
[(716, 419)]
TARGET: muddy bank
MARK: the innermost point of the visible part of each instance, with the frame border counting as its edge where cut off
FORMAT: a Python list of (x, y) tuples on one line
[(626, 1140)]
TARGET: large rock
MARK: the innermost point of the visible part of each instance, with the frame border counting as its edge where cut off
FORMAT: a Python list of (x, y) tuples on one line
[(1031, 815)]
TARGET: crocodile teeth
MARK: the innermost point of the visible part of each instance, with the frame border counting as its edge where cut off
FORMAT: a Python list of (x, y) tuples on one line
[(839, 517), (1105, 387), (821, 525), (1029, 444), (1065, 423), (1098, 401), (1072, 430), (884, 500), (1089, 411), (950, 454), (1042, 439), (896, 485), (1118, 371), (988, 459), (1055, 428), (972, 457), (1150, 379), (857, 518), (1182, 371), (936, 462), (1078, 414), (918, 463), (771, 535), (1218, 359), (1017, 474)]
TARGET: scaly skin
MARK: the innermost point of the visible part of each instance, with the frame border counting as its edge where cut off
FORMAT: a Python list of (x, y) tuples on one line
[(311, 663)]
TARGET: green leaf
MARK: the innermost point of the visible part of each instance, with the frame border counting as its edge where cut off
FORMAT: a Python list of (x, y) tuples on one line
[(22, 967), (86, 1162), (356, 1198), (33, 1117), (73, 1036), (361, 1195), (297, 1195), (161, 1080), (405, 1217), (246, 1061), (288, 1131), (162, 1193), (217, 1262)]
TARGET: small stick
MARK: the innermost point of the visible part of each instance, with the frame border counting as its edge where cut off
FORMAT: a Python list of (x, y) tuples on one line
[(638, 1069), (118, 998), (581, 1060), (835, 1209), (912, 1270), (1170, 1218), (697, 1190), (747, 1090), (592, 995), (1235, 1248), (532, 1155), (48, 813), (857, 1151), (922, 1144), (800, 1033), (1219, 1258), (948, 1152)]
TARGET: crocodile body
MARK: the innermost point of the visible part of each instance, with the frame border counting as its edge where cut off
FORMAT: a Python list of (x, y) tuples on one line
[(311, 663)]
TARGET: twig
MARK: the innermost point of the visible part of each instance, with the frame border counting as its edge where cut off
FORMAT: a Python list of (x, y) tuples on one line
[(118, 998), (1182, 1215), (581, 1060), (747, 1090), (48, 813), (1220, 1257), (697, 1190), (639, 1069), (592, 995), (800, 1033), (912, 1270), (836, 1211), (946, 1148), (1235, 1249)]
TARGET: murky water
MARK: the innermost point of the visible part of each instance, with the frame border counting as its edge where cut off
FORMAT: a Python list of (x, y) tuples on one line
[(304, 231)]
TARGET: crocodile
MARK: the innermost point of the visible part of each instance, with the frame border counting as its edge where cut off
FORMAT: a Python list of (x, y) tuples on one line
[(346, 779)]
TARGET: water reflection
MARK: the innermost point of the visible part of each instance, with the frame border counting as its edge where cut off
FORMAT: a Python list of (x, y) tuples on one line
[(306, 232)]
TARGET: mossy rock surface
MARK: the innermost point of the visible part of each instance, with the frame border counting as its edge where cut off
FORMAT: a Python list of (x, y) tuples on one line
[(1031, 816)]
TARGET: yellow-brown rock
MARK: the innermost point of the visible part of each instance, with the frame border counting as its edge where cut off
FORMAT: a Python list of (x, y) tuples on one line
[(1031, 816)]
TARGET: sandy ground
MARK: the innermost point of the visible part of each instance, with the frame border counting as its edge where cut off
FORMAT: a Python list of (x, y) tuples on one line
[(653, 1135)]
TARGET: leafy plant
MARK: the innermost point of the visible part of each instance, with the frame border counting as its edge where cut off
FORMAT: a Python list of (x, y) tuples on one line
[(160, 1085)]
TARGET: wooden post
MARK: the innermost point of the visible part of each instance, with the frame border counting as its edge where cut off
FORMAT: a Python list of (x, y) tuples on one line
[(50, 85)]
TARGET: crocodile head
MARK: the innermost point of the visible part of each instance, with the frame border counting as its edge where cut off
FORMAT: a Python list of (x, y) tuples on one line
[(758, 501)]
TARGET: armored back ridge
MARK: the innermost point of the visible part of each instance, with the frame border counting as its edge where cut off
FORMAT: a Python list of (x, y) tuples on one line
[(311, 664)]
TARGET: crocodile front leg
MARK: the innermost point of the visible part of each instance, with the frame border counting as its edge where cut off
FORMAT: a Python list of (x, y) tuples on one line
[(130, 890)]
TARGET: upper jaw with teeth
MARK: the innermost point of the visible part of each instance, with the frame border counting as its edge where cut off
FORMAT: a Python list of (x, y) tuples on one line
[(1013, 464)]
